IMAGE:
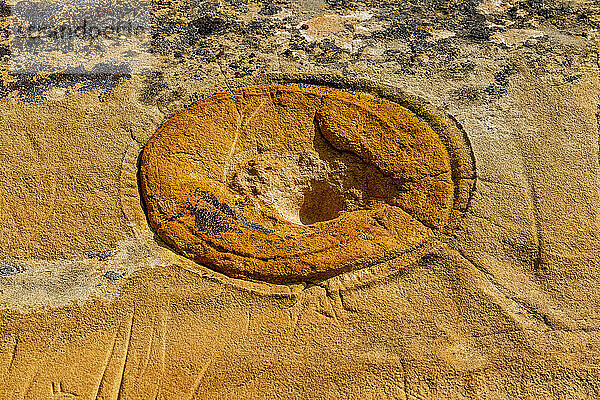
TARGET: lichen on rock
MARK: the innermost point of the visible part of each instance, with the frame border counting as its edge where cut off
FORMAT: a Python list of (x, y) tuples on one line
[(287, 183)]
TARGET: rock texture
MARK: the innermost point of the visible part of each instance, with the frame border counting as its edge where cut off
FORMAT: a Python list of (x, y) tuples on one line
[(284, 183), (502, 305)]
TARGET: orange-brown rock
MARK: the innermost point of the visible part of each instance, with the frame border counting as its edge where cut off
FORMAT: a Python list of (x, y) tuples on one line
[(285, 183)]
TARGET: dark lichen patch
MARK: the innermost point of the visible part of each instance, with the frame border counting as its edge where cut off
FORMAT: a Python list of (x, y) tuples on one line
[(344, 4), (474, 23), (561, 14), (469, 94), (421, 38), (404, 29), (113, 276), (101, 255), (211, 199), (259, 27), (176, 31), (202, 27), (415, 20), (220, 217), (269, 8), (501, 82), (211, 222), (258, 227), (153, 91), (31, 88), (5, 9), (7, 269)]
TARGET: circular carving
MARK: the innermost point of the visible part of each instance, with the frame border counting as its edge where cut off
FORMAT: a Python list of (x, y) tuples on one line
[(285, 183)]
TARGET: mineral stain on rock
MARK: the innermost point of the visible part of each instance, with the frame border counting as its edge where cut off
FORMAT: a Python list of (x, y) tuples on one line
[(287, 183)]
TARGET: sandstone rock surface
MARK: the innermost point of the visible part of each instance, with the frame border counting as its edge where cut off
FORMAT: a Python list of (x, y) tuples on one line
[(503, 304)]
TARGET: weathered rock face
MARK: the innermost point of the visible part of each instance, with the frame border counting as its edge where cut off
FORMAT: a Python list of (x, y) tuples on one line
[(502, 302), (288, 184)]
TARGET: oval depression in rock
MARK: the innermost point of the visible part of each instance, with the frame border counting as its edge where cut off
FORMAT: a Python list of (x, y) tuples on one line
[(288, 183)]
